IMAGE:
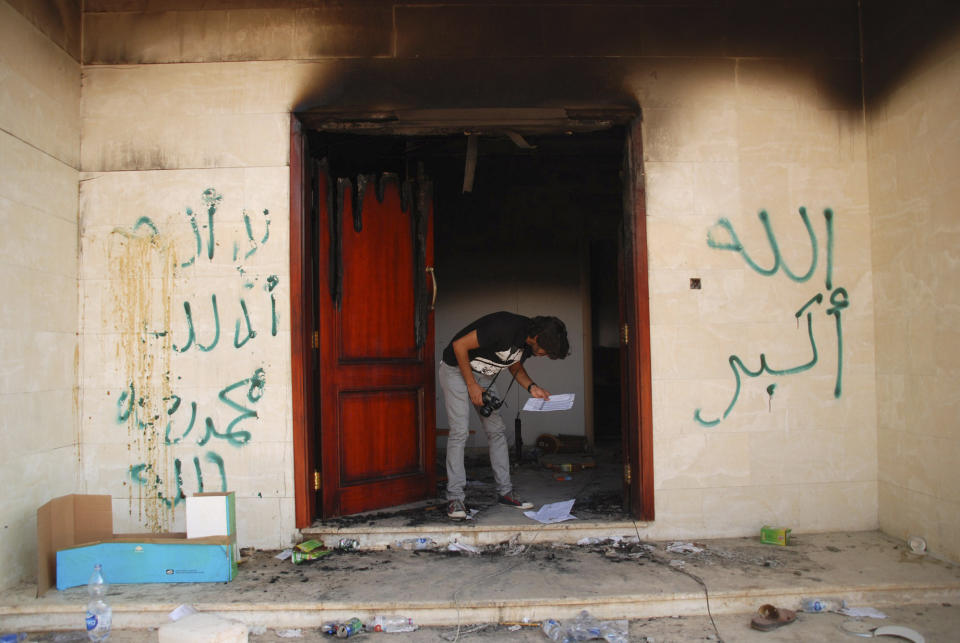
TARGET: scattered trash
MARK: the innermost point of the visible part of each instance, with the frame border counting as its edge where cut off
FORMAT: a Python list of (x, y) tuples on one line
[(348, 544), (862, 612), (513, 547), (858, 628), (684, 548), (775, 535), (815, 605), (348, 629), (586, 627), (285, 554), (290, 634), (464, 548), (769, 617), (299, 557), (563, 477), (901, 632), (917, 545), (180, 611), (99, 612), (416, 543), (309, 545), (678, 564), (329, 628), (553, 512), (515, 628), (391, 623), (13, 638)]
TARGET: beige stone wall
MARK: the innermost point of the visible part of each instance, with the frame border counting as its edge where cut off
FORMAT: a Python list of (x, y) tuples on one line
[(914, 144), (39, 159), (732, 126)]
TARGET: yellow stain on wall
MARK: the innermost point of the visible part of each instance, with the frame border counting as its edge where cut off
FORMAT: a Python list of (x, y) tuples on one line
[(141, 282)]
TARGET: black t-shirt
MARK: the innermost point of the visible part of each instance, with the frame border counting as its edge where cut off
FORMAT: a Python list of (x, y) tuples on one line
[(502, 337)]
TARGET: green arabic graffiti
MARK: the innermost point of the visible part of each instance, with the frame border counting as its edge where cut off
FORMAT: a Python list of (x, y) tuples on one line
[(839, 300)]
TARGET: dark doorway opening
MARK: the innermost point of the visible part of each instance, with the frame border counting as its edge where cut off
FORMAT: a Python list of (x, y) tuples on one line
[(527, 223)]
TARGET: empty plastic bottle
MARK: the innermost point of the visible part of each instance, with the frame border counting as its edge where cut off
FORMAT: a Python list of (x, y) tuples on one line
[(814, 605), (553, 630), (416, 543), (391, 623), (99, 613)]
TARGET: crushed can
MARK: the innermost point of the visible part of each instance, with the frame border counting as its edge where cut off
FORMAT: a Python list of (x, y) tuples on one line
[(348, 544), (348, 629)]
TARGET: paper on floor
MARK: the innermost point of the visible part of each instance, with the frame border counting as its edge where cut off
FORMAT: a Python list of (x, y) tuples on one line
[(554, 512)]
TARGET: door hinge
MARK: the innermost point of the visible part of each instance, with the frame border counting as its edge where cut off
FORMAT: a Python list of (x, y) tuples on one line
[(626, 473), (316, 480), (625, 333), (316, 339)]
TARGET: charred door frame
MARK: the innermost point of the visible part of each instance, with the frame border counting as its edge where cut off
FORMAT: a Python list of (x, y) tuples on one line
[(302, 279)]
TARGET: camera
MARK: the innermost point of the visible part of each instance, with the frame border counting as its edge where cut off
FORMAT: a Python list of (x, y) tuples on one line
[(490, 404)]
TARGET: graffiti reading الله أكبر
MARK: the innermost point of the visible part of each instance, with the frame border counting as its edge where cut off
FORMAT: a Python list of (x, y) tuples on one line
[(839, 300)]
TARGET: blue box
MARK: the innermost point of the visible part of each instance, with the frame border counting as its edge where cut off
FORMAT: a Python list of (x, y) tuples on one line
[(164, 559), (75, 532)]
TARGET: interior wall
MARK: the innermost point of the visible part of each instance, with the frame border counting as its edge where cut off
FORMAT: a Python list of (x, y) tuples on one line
[(747, 108), (39, 160), (914, 146)]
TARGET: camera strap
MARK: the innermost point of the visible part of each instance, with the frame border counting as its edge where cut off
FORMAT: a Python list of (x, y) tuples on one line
[(513, 378)]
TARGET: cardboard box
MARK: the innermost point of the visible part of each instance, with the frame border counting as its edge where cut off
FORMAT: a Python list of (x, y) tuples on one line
[(775, 535), (211, 514), (75, 532)]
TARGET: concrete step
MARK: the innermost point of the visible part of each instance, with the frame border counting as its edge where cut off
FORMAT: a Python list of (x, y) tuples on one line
[(545, 580)]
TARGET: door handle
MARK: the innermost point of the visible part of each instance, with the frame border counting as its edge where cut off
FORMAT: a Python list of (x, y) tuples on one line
[(433, 277)]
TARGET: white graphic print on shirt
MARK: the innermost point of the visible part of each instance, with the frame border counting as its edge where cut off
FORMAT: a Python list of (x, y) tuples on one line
[(490, 368)]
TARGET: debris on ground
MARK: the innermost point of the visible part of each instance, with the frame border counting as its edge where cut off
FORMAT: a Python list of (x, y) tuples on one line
[(769, 617), (463, 548), (585, 627), (685, 548)]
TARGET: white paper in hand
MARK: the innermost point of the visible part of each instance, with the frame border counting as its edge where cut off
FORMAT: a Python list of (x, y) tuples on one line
[(559, 402)]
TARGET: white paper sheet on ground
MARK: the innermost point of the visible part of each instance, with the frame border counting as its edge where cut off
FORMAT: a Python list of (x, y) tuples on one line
[(860, 612), (558, 402), (554, 512)]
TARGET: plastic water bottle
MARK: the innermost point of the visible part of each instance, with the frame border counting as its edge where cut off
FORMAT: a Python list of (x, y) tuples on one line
[(416, 543), (99, 613), (391, 623), (553, 630), (814, 605)]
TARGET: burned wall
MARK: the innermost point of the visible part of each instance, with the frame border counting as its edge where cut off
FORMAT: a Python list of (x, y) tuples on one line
[(914, 147), (755, 172)]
